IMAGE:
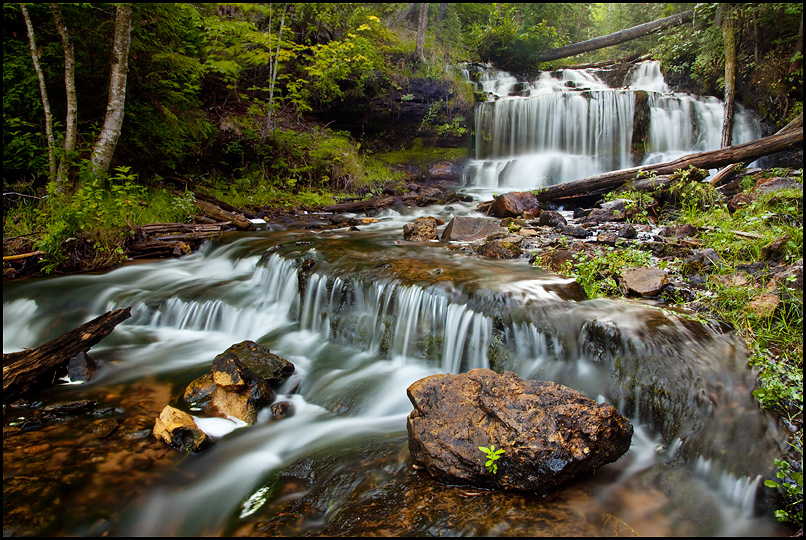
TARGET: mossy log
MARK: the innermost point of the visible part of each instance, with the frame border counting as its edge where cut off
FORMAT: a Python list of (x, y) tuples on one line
[(26, 369)]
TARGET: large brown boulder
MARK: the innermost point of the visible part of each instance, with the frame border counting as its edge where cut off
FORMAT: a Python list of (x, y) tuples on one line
[(549, 433), (468, 229), (514, 204)]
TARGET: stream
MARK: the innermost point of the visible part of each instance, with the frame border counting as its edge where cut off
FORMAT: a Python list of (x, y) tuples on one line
[(377, 313)]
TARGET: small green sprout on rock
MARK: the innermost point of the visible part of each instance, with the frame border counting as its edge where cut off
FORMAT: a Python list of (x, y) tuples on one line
[(492, 455)]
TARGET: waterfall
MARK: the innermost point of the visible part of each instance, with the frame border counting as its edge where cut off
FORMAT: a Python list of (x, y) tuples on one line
[(569, 124)]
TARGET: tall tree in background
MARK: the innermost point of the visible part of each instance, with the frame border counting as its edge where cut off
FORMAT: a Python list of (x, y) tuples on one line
[(71, 117), (418, 50), (113, 122), (728, 17), (43, 92)]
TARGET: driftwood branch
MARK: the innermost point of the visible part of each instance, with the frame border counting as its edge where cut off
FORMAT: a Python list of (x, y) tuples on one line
[(22, 256), (616, 37), (713, 159), (24, 369)]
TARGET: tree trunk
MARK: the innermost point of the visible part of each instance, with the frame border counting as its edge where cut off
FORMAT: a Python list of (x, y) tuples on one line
[(71, 118), (617, 37), (113, 122), (43, 92), (418, 51), (729, 39), (25, 369), (273, 77), (713, 159)]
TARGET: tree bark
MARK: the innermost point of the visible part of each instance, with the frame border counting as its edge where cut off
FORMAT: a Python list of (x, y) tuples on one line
[(113, 122), (25, 369), (418, 50), (71, 118), (43, 92), (617, 37), (269, 126), (713, 159), (729, 38)]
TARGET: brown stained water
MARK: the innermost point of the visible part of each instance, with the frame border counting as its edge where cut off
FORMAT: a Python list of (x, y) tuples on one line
[(340, 465)]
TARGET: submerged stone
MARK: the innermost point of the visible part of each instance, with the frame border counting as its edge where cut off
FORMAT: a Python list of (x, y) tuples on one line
[(549, 433)]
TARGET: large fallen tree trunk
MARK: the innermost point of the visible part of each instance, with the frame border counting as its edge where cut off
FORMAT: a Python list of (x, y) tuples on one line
[(713, 159), (24, 369), (616, 37)]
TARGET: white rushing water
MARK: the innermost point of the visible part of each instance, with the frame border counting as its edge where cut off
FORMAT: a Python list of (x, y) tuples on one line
[(569, 125), (359, 331)]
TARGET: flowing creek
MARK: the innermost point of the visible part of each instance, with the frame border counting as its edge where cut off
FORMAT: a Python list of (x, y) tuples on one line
[(376, 313)]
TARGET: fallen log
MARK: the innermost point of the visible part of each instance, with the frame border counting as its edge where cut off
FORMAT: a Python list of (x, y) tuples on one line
[(361, 206), (728, 171), (219, 214), (25, 369), (616, 37), (713, 159)]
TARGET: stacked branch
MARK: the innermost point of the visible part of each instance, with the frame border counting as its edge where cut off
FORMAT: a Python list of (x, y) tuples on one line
[(171, 239)]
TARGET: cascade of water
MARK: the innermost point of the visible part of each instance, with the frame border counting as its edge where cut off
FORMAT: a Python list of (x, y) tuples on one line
[(569, 124)]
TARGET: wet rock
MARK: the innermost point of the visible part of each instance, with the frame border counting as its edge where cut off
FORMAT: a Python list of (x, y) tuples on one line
[(178, 429), (776, 184), (615, 210), (282, 409), (701, 261), (423, 229), (70, 407), (607, 238), (775, 250), (549, 433), (200, 391), (262, 361), (645, 282), (680, 231), (81, 367), (550, 218), (508, 247), (103, 427), (469, 229), (576, 232), (240, 392), (740, 200), (787, 277), (628, 232), (514, 204)]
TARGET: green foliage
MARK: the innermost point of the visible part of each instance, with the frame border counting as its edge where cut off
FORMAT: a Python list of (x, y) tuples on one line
[(599, 274), (791, 486), (510, 44), (492, 455)]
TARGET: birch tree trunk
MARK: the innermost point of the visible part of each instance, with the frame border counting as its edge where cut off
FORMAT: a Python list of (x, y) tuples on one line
[(729, 39), (113, 122), (71, 118), (418, 50), (43, 91), (273, 76)]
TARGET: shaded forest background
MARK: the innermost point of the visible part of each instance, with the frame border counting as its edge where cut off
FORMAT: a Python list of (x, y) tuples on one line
[(292, 105)]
